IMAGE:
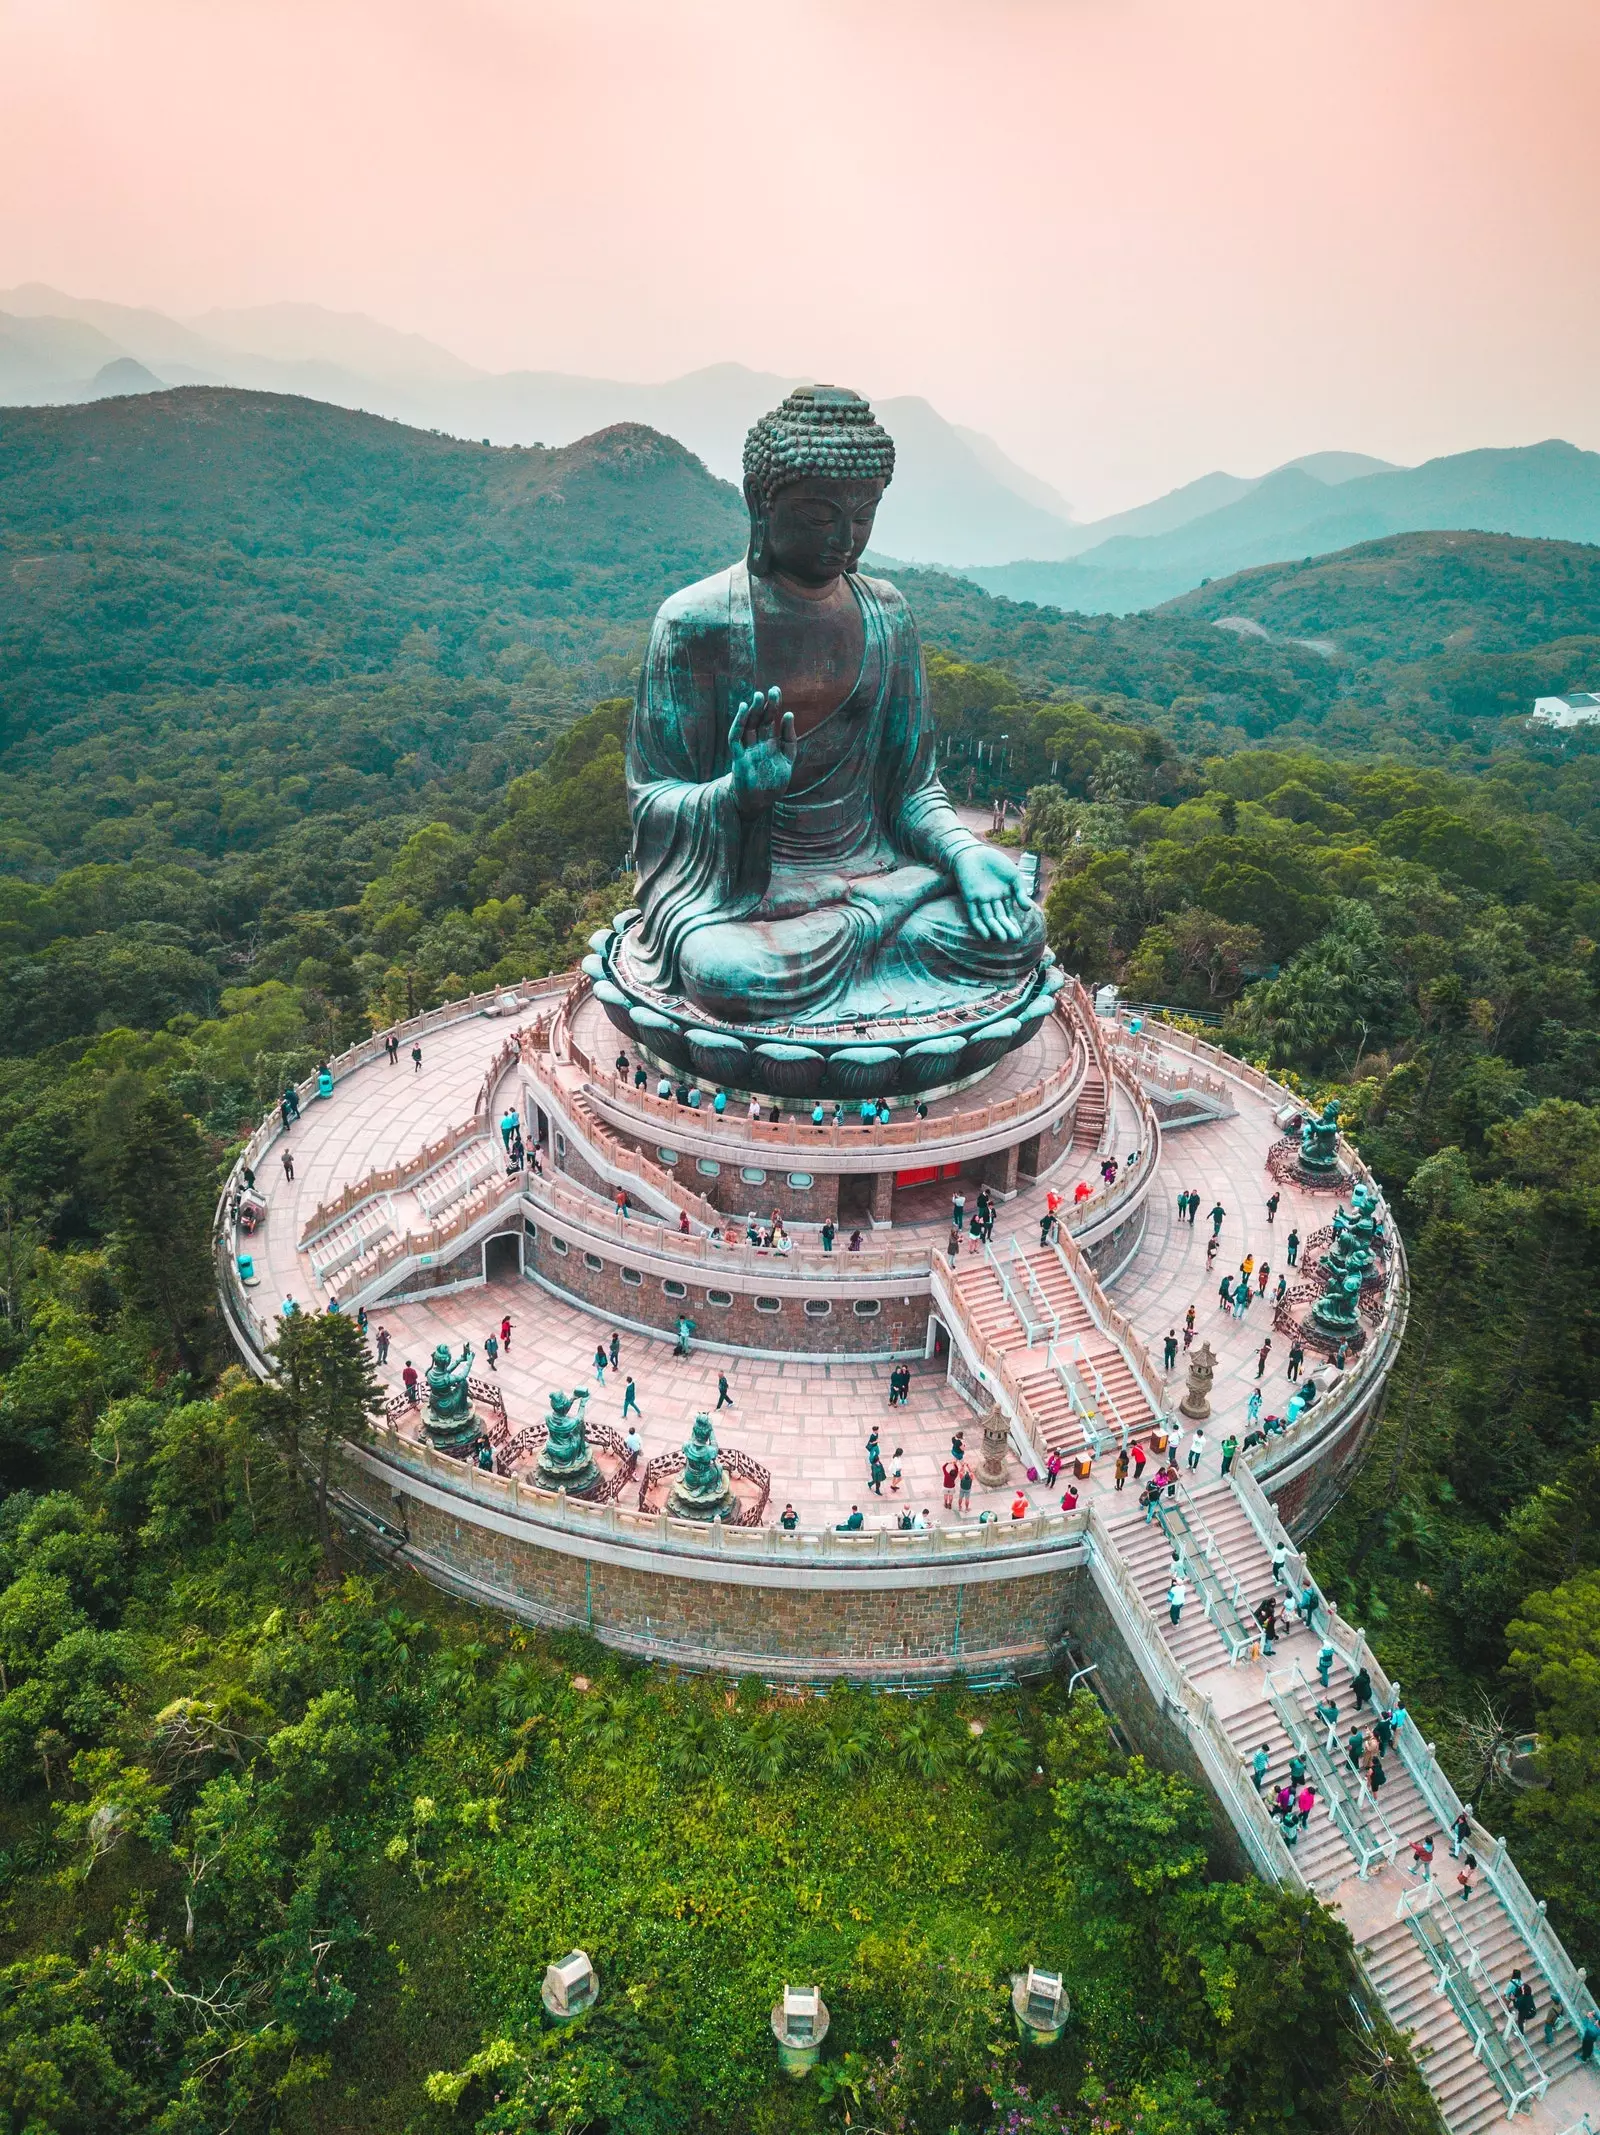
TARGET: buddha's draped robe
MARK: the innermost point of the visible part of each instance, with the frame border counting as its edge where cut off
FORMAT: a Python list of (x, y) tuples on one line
[(834, 903)]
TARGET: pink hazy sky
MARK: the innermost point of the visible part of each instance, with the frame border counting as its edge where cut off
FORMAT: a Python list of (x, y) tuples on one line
[(1132, 239)]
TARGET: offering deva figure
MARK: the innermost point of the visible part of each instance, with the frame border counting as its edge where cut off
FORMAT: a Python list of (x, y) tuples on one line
[(798, 858)]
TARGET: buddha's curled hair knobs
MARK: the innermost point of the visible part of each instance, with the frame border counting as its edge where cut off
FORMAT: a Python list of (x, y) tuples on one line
[(821, 431)]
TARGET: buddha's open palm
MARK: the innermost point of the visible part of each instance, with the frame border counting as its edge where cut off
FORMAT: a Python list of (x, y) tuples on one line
[(992, 892), (762, 743)]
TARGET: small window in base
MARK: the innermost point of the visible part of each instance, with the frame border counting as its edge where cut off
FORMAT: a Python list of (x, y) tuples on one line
[(561, 1144), (817, 1308), (674, 1289), (800, 1180), (559, 1245), (753, 1175), (593, 1262), (667, 1156), (709, 1167), (769, 1304), (867, 1308), (631, 1277), (719, 1297)]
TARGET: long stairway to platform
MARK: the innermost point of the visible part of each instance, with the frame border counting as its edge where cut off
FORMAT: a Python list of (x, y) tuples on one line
[(1438, 1962)]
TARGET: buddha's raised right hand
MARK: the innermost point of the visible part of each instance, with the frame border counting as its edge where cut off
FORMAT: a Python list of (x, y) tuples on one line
[(762, 743)]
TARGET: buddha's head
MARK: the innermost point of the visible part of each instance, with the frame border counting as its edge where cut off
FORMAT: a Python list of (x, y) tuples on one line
[(815, 471)]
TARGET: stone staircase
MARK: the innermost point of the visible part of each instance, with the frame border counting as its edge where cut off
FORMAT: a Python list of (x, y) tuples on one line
[(456, 1177), (1090, 1121), (1107, 1384), (1267, 1700), (354, 1240), (1407, 1984)]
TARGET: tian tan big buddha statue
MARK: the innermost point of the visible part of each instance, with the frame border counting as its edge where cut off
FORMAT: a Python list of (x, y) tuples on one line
[(812, 914)]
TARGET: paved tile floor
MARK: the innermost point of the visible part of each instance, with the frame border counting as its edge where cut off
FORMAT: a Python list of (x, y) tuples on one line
[(805, 1419)]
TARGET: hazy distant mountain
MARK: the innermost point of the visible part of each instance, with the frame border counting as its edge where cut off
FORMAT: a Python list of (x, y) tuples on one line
[(123, 374), (1549, 491), (344, 340), (43, 361), (1336, 467), (956, 495), (1163, 515)]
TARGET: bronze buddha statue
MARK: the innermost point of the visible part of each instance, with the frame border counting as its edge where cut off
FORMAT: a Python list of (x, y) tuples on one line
[(799, 861)]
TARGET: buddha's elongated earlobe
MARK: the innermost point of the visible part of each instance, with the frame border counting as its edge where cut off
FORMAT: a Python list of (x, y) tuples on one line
[(758, 544), (756, 504)]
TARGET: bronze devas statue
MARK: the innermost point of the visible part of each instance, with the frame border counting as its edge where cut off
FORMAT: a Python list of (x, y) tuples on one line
[(798, 858)]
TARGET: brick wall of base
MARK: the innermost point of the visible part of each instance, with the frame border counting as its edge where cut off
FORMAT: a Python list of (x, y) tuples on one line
[(1010, 1627), (1159, 1735), (1303, 1500), (742, 1318)]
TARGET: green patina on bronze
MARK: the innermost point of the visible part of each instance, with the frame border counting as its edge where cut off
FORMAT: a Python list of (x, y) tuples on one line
[(565, 1462), (702, 1491), (1319, 1145), (800, 865), (450, 1423)]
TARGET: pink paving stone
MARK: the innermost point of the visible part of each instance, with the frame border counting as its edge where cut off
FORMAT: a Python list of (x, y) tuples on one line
[(805, 1418)]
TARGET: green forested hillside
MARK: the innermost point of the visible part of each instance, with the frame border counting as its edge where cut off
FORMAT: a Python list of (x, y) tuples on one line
[(317, 737), (224, 615)]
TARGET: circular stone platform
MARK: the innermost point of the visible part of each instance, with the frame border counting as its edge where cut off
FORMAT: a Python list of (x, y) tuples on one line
[(401, 1202)]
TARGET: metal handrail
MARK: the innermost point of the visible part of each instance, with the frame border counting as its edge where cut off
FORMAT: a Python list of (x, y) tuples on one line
[(1051, 1323), (1567, 1982), (993, 1263), (1348, 1814), (1103, 1393), (1516, 2070), (1097, 1439), (1197, 1519), (1220, 1611)]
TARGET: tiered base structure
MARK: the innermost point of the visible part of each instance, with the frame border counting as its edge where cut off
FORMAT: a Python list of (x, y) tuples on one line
[(635, 1221)]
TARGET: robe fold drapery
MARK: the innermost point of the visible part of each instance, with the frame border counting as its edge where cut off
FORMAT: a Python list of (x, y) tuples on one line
[(836, 901)]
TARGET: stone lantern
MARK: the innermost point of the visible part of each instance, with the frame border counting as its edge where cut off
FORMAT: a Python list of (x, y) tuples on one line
[(996, 1441), (1196, 1402), (570, 1987), (1040, 2005), (800, 2024)]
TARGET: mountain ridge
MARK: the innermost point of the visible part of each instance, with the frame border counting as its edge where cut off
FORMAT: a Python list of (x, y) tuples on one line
[(1545, 491), (954, 486)]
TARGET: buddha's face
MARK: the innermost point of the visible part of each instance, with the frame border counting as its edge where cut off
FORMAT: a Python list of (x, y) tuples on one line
[(816, 529)]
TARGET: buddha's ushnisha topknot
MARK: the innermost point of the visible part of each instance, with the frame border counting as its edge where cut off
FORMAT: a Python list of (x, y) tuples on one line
[(820, 430)]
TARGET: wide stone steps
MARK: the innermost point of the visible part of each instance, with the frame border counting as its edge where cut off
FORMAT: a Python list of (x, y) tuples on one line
[(456, 1177), (1059, 1292), (1060, 1425), (987, 1305), (1194, 1641), (1467, 2094), (1080, 1346), (355, 1239)]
